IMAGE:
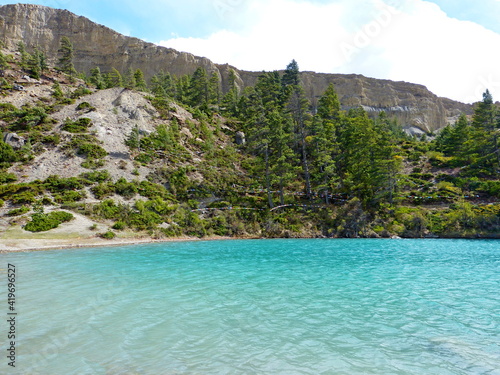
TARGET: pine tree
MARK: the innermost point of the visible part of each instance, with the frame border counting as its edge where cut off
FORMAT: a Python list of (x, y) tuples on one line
[(182, 89), (129, 81), (65, 63), (329, 104), (57, 93), (298, 106), (230, 101), (34, 65), (163, 85), (44, 66), (3, 61), (97, 79), (25, 56), (281, 155), (483, 144), (140, 82), (291, 76), (113, 79), (214, 89), (198, 88), (324, 147)]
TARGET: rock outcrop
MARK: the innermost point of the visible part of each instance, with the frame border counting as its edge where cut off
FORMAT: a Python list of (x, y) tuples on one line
[(96, 45)]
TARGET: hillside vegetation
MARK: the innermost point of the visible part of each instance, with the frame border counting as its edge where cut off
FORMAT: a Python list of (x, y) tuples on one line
[(176, 156)]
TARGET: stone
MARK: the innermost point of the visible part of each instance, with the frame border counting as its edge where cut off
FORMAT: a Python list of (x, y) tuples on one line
[(14, 140), (239, 138)]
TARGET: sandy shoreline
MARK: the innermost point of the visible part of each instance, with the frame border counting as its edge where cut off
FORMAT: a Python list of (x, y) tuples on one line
[(23, 244)]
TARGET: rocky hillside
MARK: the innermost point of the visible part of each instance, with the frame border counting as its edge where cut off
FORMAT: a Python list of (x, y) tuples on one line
[(417, 108), (117, 162)]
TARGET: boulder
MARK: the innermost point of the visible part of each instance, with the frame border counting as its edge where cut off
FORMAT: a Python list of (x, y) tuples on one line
[(14, 140)]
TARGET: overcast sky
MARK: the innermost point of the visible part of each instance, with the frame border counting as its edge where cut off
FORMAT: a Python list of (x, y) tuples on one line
[(450, 46)]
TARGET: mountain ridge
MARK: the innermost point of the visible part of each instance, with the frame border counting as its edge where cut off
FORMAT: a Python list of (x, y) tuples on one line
[(415, 107)]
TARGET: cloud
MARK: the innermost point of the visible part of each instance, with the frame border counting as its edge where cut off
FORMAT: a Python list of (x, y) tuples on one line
[(410, 40)]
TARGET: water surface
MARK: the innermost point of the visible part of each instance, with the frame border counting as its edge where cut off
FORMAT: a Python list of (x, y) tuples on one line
[(259, 307)]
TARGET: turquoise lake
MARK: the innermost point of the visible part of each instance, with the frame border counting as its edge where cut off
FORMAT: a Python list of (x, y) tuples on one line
[(321, 306)]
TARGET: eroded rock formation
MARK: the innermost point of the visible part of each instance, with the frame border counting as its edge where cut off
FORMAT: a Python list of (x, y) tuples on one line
[(95, 45)]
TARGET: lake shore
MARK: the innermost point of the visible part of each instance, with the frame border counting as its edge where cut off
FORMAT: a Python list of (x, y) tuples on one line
[(40, 244)]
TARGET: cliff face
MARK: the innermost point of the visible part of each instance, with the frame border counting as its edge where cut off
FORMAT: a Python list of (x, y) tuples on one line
[(96, 45)]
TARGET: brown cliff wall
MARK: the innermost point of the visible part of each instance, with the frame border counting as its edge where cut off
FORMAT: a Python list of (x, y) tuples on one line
[(97, 45)]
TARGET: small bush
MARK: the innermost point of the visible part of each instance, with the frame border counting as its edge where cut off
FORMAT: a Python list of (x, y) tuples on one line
[(91, 150), (18, 211), (93, 163), (79, 126), (119, 225), (86, 106), (6, 177), (69, 196), (44, 222), (80, 91), (109, 235), (96, 176), (52, 139)]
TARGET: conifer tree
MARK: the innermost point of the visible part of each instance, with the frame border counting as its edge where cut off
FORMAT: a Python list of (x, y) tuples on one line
[(298, 106), (3, 61), (129, 81), (97, 79), (291, 76), (113, 79), (65, 63), (198, 88), (162, 85), (182, 89), (329, 104), (140, 82), (230, 100), (157, 87), (44, 66), (214, 89), (324, 146), (25, 56), (281, 154), (34, 65), (483, 144)]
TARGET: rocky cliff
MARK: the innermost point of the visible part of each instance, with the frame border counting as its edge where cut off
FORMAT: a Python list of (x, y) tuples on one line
[(95, 45)]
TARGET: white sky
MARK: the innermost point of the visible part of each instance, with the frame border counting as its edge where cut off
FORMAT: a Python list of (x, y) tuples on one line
[(406, 40)]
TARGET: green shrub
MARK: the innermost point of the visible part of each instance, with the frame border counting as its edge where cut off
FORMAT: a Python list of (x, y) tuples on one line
[(51, 139), (126, 189), (93, 163), (91, 150), (18, 211), (25, 197), (109, 235), (7, 177), (80, 91), (69, 196), (7, 153), (108, 209), (96, 176), (55, 184), (103, 190), (85, 105), (85, 145), (78, 126), (119, 225), (42, 222)]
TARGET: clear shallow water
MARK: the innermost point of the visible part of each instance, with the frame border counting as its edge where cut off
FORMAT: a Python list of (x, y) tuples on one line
[(259, 307)]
